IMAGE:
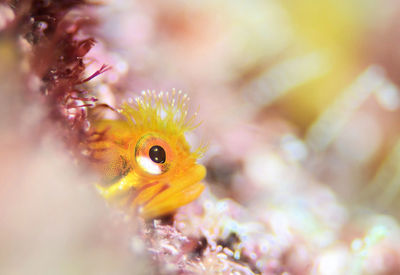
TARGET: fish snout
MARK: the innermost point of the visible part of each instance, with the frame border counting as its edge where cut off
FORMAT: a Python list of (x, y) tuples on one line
[(180, 191)]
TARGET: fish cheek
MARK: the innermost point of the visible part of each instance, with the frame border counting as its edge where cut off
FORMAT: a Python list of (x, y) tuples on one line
[(117, 167)]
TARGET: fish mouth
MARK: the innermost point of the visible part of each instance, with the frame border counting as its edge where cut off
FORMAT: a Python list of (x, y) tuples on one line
[(158, 199)]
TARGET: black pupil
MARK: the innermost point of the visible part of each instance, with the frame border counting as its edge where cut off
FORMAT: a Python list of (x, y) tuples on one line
[(157, 154)]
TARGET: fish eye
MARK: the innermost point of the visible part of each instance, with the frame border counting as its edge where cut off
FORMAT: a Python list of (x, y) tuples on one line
[(157, 154), (153, 155)]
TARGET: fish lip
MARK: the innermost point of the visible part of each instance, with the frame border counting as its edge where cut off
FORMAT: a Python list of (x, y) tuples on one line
[(146, 186), (181, 191), (170, 183), (164, 187)]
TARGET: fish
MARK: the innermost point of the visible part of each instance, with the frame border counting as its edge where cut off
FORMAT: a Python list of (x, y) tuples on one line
[(146, 162)]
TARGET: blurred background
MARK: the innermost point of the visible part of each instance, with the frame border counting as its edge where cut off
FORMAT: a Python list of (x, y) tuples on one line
[(315, 83), (299, 105)]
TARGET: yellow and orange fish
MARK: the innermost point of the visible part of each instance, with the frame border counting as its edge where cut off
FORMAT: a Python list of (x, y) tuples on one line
[(146, 161)]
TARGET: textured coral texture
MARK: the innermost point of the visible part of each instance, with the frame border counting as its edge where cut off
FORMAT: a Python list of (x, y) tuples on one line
[(298, 104)]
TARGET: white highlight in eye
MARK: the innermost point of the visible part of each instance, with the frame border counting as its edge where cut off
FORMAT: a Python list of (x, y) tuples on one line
[(148, 165)]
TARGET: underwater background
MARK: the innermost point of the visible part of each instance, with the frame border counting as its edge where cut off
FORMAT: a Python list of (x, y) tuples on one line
[(298, 104)]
